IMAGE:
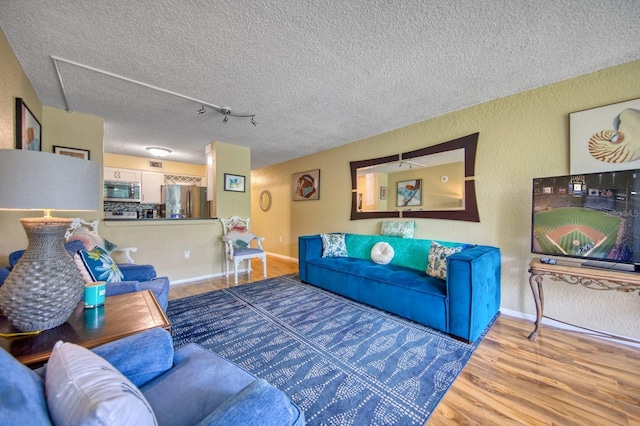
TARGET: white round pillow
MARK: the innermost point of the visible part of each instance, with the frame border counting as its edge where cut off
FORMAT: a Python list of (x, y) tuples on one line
[(382, 253)]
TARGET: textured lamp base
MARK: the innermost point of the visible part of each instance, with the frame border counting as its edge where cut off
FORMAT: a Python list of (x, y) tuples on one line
[(45, 286)]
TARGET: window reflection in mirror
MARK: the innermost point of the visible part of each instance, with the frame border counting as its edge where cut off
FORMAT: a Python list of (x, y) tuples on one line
[(432, 182)]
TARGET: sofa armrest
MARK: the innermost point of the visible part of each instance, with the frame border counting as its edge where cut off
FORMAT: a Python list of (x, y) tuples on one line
[(141, 357), (122, 287), (134, 272), (309, 247), (473, 290), (259, 403)]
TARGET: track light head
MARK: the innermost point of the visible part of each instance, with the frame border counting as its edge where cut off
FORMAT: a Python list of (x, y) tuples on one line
[(253, 121), (225, 119), (201, 110)]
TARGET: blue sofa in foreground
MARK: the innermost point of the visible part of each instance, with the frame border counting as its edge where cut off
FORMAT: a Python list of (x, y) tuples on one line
[(150, 383), (462, 304)]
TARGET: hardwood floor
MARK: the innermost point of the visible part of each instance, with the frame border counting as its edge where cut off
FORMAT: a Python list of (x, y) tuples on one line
[(563, 378)]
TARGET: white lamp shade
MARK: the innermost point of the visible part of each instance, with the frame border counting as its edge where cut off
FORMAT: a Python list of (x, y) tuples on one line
[(34, 180)]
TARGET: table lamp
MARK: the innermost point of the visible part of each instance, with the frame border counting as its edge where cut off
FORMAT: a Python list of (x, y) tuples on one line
[(45, 286)]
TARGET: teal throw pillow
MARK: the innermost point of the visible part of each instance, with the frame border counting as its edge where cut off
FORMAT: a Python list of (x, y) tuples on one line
[(397, 228), (97, 265), (437, 265), (333, 245)]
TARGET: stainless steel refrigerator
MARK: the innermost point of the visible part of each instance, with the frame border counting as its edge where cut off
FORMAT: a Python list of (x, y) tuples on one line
[(183, 201)]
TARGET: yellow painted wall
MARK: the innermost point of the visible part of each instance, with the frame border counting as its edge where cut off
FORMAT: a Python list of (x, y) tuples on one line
[(236, 160), (13, 84), (141, 163), (521, 137)]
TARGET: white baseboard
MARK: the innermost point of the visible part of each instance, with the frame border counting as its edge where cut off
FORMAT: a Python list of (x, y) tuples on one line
[(281, 256), (629, 341), (201, 278)]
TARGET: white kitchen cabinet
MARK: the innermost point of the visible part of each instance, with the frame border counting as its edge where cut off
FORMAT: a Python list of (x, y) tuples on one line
[(122, 175), (151, 187)]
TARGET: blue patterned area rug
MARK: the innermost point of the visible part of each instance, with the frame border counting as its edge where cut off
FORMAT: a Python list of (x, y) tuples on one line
[(342, 362)]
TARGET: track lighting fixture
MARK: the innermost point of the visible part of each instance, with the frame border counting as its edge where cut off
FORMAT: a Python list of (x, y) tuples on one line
[(222, 110)]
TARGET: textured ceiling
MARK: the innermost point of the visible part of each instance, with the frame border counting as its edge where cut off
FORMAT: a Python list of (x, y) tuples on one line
[(316, 74)]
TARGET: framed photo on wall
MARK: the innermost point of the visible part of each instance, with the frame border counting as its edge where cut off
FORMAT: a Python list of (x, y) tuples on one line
[(72, 152), (602, 139), (28, 129), (234, 183), (306, 185), (383, 192)]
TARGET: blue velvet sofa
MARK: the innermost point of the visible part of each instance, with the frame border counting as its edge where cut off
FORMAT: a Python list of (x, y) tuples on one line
[(462, 305), (136, 277), (191, 386)]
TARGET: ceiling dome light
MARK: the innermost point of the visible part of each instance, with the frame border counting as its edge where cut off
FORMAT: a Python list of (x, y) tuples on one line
[(158, 152)]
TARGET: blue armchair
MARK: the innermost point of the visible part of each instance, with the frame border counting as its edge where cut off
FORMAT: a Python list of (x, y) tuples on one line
[(191, 386), (136, 277)]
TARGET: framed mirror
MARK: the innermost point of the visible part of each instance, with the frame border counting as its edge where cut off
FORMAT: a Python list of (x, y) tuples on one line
[(433, 182), (265, 200)]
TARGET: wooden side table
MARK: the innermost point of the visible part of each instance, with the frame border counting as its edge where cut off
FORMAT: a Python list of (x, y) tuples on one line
[(568, 272), (121, 316)]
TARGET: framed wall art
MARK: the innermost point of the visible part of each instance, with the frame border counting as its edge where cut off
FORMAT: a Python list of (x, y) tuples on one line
[(383, 192), (306, 185), (234, 183), (602, 139), (28, 129), (72, 152), (409, 193)]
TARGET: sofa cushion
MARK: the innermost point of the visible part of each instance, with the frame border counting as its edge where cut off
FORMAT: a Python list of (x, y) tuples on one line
[(83, 388), (259, 403), (438, 254), (22, 397), (97, 265), (397, 228), (333, 245), (382, 253), (205, 380), (408, 252)]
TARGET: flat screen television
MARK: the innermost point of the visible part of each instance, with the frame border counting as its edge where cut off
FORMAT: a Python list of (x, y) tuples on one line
[(594, 217)]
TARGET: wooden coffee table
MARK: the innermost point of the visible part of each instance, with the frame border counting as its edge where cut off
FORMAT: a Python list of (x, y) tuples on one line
[(121, 316)]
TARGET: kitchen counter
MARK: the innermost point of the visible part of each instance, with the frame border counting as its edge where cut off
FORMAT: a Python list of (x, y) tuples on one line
[(159, 219)]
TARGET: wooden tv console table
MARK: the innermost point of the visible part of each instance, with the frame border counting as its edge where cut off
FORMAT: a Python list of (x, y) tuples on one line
[(573, 273)]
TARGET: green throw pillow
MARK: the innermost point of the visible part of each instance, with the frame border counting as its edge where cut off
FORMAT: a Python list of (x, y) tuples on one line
[(397, 228)]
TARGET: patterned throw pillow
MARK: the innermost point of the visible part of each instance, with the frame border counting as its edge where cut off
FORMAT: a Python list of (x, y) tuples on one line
[(397, 228), (91, 240), (240, 237), (97, 265), (437, 265), (83, 388), (333, 245)]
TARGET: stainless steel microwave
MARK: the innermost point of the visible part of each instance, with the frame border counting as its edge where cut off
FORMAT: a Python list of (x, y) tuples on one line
[(121, 191)]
